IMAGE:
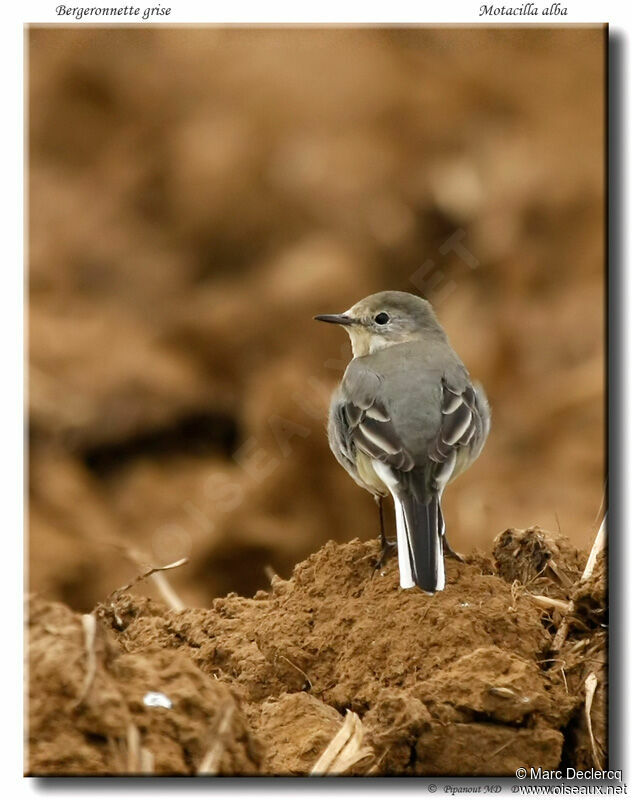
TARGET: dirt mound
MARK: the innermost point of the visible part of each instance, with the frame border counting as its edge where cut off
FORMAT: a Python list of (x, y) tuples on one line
[(336, 667)]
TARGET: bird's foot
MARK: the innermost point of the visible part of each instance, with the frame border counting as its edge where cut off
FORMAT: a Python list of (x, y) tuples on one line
[(448, 551), (387, 548)]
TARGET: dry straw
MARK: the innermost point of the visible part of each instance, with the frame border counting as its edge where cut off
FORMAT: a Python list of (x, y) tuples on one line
[(591, 686), (345, 749), (210, 764), (155, 573), (598, 545)]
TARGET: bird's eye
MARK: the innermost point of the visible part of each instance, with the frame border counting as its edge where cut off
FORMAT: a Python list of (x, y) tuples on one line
[(382, 318)]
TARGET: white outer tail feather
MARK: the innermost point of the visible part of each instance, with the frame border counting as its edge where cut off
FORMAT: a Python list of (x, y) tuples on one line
[(403, 555), (440, 568), (406, 580)]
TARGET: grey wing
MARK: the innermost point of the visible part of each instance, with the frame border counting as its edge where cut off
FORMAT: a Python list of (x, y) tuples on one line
[(339, 438), (465, 422), (360, 421)]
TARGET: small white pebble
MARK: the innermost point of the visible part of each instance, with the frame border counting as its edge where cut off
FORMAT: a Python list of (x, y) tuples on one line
[(157, 700)]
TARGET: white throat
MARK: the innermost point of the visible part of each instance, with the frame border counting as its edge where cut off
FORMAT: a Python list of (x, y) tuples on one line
[(364, 342)]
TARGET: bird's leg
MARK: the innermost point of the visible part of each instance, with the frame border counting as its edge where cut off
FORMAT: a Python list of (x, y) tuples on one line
[(380, 508), (386, 547)]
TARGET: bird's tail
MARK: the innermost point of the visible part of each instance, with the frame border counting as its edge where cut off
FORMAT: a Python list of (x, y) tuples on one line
[(421, 533)]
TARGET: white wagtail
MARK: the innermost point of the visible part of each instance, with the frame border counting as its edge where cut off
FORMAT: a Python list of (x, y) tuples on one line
[(406, 419)]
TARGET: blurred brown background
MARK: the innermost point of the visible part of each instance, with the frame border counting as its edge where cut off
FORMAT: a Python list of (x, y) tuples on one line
[(197, 195)]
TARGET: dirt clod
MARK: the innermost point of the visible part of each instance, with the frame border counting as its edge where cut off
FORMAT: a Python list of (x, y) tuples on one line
[(459, 683), (297, 728), (543, 562)]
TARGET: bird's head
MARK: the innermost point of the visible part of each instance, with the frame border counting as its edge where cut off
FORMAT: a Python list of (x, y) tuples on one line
[(384, 319)]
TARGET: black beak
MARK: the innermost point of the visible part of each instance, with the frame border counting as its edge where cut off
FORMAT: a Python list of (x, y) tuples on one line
[(338, 319)]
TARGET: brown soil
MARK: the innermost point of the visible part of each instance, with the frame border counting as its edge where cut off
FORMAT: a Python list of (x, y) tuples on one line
[(462, 683)]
